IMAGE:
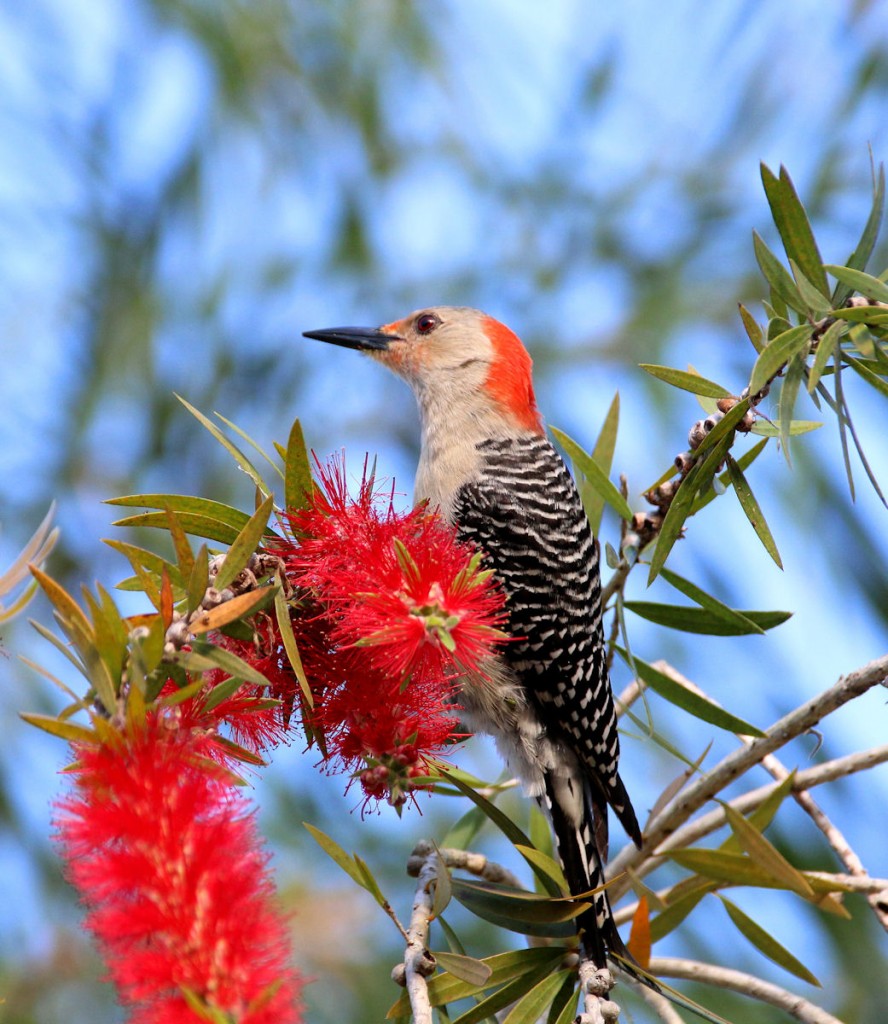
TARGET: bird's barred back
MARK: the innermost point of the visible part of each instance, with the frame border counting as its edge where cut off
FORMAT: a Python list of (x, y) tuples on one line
[(524, 511)]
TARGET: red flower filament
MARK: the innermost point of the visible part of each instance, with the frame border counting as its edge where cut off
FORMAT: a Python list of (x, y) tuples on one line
[(168, 860)]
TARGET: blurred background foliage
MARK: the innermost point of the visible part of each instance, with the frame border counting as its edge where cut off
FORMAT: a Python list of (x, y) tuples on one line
[(186, 185)]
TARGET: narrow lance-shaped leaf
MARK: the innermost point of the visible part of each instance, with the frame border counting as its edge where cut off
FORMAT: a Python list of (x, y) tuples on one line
[(814, 299), (792, 223), (297, 470), (709, 602), (859, 258), (795, 371), (873, 379), (777, 276), (869, 286), (253, 444), (242, 461), (508, 994), (753, 512), (245, 545), (466, 968), (502, 821), (692, 382), (753, 331), (285, 626), (688, 700), (603, 455), (594, 474), (766, 944), (765, 854), (776, 354), (533, 1005), (703, 621)]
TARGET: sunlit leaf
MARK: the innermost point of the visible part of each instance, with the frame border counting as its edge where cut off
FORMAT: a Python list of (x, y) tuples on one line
[(297, 470), (692, 382), (242, 461), (336, 853), (766, 944), (529, 1008), (639, 943), (505, 996), (776, 354), (868, 286), (796, 427), (596, 476), (792, 223), (70, 731), (475, 972), (814, 299), (777, 276), (701, 620), (707, 601), (688, 700), (244, 545), (765, 854), (753, 331), (753, 511)]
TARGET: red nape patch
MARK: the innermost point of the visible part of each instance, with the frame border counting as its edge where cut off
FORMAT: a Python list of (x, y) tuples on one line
[(510, 381)]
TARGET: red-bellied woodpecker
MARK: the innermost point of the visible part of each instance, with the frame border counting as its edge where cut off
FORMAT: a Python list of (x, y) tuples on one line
[(487, 464)]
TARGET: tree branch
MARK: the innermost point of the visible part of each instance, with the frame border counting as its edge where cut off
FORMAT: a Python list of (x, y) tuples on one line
[(685, 803), (745, 984)]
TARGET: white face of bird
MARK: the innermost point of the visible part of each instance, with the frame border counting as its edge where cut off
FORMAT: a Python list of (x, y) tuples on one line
[(451, 354)]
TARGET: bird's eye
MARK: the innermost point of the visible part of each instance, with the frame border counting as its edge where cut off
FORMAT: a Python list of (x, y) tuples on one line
[(426, 323)]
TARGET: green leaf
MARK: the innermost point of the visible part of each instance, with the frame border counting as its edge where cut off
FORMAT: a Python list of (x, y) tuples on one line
[(707, 601), (868, 286), (543, 862), (70, 731), (776, 354), (502, 821), (764, 814), (877, 316), (859, 258), (792, 223), (766, 855), (461, 835), (818, 304), (703, 621), (795, 371), (517, 907), (475, 972), (678, 909), (796, 427), (197, 526), (298, 483), (753, 330), (244, 545), (692, 382), (766, 944), (198, 581), (242, 461), (596, 476), (753, 512), (733, 868), (508, 994), (184, 503), (228, 662), (369, 882), (603, 454), (688, 700), (285, 626), (446, 988), (336, 853), (531, 1007), (873, 379), (256, 447), (777, 276), (744, 462)]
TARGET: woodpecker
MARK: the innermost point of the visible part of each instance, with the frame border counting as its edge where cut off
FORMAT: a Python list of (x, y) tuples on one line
[(488, 466)]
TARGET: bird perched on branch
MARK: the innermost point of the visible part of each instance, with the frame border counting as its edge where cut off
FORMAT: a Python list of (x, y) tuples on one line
[(487, 464)]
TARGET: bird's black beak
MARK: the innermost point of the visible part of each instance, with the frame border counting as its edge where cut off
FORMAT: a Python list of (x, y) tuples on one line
[(366, 338)]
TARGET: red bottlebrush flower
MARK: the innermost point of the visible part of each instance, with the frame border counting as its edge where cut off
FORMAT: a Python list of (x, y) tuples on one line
[(167, 858), (395, 609)]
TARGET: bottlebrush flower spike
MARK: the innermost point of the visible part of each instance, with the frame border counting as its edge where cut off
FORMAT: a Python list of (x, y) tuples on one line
[(167, 859), (396, 608)]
